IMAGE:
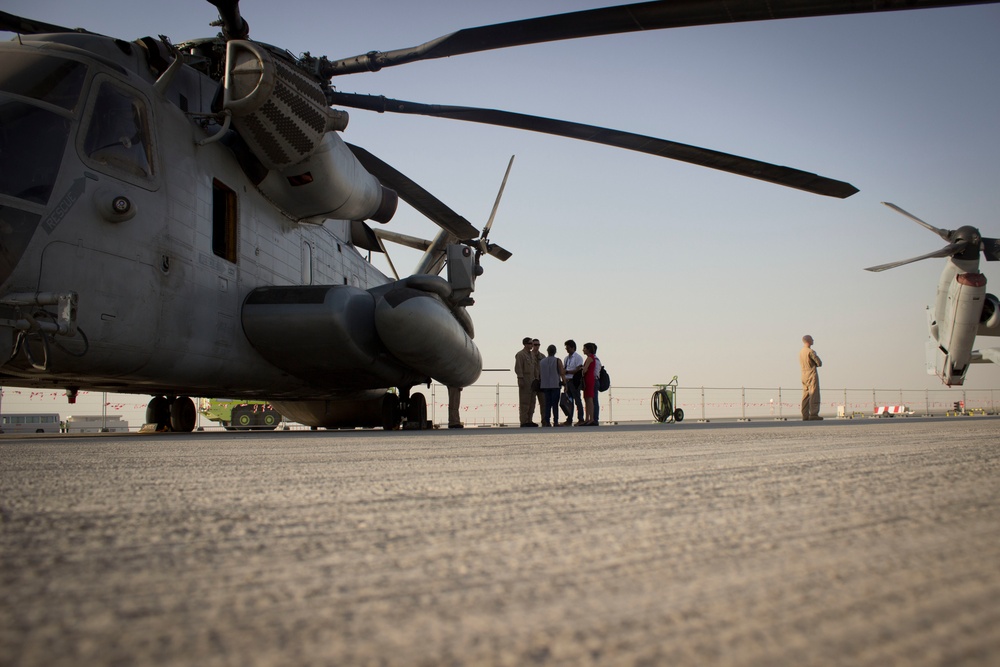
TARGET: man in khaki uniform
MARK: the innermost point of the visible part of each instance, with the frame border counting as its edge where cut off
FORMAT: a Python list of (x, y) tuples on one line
[(527, 371), (809, 361)]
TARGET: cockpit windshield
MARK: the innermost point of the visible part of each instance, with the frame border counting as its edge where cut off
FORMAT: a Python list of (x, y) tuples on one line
[(33, 136), (45, 78)]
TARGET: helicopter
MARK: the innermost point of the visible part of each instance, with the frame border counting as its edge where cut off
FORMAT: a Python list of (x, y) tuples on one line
[(187, 220), (962, 307)]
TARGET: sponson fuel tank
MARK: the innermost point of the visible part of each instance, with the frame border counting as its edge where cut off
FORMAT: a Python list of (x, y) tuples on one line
[(395, 335)]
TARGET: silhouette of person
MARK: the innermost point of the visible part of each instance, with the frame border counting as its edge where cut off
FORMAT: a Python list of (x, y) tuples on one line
[(809, 361)]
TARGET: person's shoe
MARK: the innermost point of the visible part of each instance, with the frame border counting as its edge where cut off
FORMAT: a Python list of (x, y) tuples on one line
[(456, 426), (546, 424), (528, 425), (816, 419), (581, 423), (568, 422)]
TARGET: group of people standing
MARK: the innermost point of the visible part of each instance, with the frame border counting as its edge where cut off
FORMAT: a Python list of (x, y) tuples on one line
[(541, 379)]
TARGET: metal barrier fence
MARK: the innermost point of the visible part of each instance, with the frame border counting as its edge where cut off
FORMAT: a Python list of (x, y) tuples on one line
[(496, 405)]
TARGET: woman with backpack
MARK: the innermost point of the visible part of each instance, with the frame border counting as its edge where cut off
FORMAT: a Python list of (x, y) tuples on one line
[(589, 371)]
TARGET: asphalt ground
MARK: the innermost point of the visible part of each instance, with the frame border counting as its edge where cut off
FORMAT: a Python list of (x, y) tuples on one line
[(873, 542)]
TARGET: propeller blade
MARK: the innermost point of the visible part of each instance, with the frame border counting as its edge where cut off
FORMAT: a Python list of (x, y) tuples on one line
[(991, 249), (500, 253), (23, 26), (947, 251), (704, 157), (496, 204), (414, 195), (946, 234), (615, 20)]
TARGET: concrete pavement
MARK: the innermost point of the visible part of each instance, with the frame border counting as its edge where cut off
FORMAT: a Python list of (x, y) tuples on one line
[(862, 543)]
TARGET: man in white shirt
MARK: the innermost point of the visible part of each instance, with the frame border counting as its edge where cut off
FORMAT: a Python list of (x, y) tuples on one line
[(574, 382)]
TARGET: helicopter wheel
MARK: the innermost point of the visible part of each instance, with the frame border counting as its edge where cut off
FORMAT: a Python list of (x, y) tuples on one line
[(158, 412), (416, 412), (182, 415), (391, 415), (662, 406)]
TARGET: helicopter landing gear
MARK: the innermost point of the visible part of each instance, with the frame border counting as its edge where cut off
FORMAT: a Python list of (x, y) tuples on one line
[(176, 413), (405, 411), (391, 414), (416, 412)]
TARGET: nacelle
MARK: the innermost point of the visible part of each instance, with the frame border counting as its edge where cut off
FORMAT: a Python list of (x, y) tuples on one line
[(954, 332)]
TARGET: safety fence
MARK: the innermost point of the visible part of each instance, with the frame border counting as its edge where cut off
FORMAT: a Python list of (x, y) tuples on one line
[(497, 405)]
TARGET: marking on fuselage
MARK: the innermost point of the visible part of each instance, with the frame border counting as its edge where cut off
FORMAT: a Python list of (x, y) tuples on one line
[(72, 196)]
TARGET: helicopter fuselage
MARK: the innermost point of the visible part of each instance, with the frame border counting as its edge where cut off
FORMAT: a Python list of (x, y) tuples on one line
[(132, 240)]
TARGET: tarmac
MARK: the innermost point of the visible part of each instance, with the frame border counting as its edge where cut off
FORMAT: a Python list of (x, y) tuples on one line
[(867, 542)]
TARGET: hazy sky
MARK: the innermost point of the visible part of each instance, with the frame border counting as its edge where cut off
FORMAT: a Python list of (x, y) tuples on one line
[(674, 269)]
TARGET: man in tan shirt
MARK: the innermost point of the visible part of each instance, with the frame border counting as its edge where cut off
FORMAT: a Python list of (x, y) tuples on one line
[(809, 361), (527, 371)]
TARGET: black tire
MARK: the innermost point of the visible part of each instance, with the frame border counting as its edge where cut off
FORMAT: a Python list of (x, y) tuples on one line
[(183, 415), (269, 419), (391, 415), (661, 405), (416, 411), (678, 415), (158, 412), (242, 418)]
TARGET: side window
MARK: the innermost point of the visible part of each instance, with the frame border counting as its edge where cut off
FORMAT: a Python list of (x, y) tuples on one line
[(224, 219), (118, 138)]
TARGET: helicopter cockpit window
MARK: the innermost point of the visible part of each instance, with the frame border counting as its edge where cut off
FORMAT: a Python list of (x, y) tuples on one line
[(118, 134), (53, 80), (33, 135)]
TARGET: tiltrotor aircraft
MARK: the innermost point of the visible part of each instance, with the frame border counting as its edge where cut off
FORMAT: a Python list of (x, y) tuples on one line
[(962, 308), (185, 219)]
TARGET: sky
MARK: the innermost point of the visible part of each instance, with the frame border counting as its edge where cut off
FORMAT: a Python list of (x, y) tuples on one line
[(670, 268)]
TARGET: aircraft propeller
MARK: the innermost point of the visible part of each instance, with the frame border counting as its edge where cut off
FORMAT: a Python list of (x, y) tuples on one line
[(431, 207), (964, 243)]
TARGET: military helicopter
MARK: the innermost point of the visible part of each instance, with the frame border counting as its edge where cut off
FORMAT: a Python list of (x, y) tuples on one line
[(962, 308), (186, 219)]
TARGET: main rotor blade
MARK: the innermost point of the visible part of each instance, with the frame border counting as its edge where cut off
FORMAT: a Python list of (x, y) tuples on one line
[(24, 26), (947, 251), (622, 19), (414, 195), (943, 233), (787, 176)]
